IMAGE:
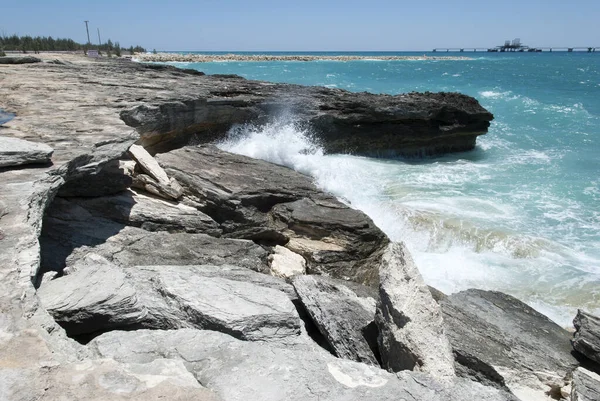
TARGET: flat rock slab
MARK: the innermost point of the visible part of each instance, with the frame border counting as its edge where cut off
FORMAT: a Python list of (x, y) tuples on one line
[(97, 296), (411, 327), (501, 341), (585, 386), (586, 339), (277, 373), (16, 152), (19, 60), (343, 317)]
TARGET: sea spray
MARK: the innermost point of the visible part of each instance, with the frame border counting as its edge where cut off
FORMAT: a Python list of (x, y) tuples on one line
[(458, 241)]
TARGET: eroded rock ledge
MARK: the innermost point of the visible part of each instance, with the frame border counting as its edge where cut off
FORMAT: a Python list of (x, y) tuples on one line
[(170, 287)]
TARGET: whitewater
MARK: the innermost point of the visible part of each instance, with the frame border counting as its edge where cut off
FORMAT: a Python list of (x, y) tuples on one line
[(519, 214)]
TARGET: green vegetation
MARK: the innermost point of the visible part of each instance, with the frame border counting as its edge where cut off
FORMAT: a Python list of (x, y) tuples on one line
[(40, 43)]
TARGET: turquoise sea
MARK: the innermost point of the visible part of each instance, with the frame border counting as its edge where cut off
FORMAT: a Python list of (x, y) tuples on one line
[(520, 214)]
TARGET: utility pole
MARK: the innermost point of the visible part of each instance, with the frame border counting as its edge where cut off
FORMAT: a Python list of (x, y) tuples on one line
[(99, 41), (88, 32)]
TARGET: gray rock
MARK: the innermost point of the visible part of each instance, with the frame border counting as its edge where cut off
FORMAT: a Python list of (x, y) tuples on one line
[(16, 152), (343, 317), (155, 180), (411, 327), (257, 200), (96, 295), (105, 379), (586, 339), (499, 340), (268, 372), (133, 246), (112, 177), (150, 213), (586, 385)]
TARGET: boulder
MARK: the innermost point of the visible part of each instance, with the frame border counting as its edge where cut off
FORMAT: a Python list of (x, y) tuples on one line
[(270, 372), (586, 339), (133, 246), (342, 316), (285, 263), (155, 181), (96, 296), (411, 327), (586, 385), (150, 213), (111, 178), (271, 204), (16, 152), (500, 341)]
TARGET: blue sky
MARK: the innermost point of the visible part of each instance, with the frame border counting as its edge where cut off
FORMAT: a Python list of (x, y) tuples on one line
[(309, 24)]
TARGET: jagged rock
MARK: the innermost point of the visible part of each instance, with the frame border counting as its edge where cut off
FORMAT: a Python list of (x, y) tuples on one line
[(498, 340), (343, 317), (257, 200), (16, 152), (268, 372), (156, 180), (411, 327), (96, 295), (586, 339), (586, 385), (285, 263), (111, 178), (135, 247), (150, 213)]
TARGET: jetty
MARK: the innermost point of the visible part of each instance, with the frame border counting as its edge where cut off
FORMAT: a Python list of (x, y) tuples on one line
[(516, 46)]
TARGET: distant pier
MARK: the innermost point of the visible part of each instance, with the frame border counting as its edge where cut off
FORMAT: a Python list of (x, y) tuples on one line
[(517, 46)]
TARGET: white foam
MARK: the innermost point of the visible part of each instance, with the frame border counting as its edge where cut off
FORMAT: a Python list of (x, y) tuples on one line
[(458, 241)]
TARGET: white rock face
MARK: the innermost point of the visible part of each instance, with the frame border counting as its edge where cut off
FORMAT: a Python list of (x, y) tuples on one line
[(15, 152), (285, 263), (586, 385), (410, 322), (156, 181)]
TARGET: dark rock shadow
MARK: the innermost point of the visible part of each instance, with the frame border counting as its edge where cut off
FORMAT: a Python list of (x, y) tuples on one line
[(27, 166), (474, 155), (67, 226)]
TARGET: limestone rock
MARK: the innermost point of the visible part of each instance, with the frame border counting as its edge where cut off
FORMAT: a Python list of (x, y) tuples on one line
[(150, 213), (97, 296), (586, 385), (498, 340), (587, 335), (271, 204), (155, 180), (16, 152), (285, 263), (411, 327), (343, 317), (268, 372), (111, 178), (19, 60)]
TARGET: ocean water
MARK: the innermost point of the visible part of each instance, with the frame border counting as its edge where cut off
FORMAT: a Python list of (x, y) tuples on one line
[(519, 214)]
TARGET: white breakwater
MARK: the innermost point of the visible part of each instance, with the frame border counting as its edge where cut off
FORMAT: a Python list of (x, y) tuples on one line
[(459, 239)]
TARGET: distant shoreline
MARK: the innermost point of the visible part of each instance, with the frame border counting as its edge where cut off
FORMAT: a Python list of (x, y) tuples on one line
[(207, 58)]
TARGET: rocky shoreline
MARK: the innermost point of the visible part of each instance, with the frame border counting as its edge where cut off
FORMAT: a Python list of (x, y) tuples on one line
[(209, 58), (139, 261)]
